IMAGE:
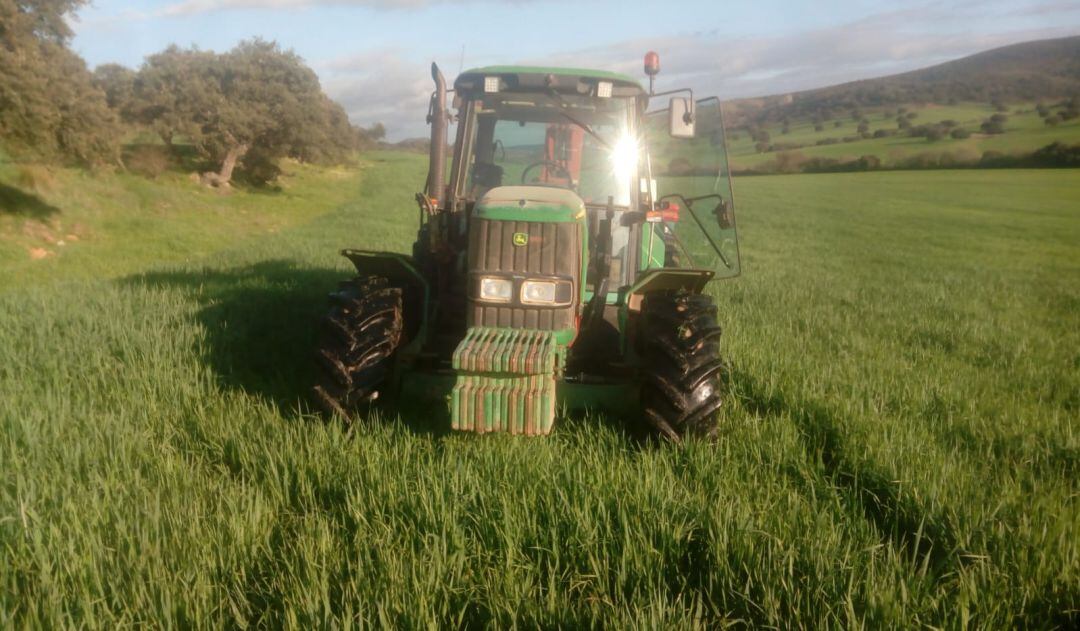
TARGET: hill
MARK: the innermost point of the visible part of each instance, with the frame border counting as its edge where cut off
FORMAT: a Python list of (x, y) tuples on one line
[(68, 223), (1043, 69)]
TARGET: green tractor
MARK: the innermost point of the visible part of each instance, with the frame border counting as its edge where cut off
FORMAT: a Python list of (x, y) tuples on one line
[(560, 262)]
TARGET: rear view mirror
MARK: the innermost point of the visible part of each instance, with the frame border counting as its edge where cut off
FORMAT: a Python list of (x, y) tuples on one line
[(724, 217), (681, 117)]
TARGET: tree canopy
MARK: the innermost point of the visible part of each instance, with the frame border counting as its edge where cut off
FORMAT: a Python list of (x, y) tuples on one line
[(49, 105), (241, 109), (246, 107)]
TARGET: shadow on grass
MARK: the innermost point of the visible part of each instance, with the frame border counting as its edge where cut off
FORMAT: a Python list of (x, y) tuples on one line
[(260, 323), (902, 520), (16, 202)]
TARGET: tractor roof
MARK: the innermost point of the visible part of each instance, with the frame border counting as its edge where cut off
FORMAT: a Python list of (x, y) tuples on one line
[(535, 78)]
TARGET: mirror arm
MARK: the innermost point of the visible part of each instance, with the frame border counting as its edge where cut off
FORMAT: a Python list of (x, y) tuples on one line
[(670, 92)]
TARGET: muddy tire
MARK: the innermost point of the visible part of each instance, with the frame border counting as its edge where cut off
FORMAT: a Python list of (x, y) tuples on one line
[(680, 346), (358, 338)]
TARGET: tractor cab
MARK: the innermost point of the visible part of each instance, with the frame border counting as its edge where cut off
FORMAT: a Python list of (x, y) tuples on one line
[(542, 130), (644, 177)]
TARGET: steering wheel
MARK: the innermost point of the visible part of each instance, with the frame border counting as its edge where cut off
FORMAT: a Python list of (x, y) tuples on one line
[(557, 168)]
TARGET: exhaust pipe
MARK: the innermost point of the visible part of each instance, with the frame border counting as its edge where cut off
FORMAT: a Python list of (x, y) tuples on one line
[(437, 156)]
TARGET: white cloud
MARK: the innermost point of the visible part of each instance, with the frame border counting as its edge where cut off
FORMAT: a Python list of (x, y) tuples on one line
[(381, 86), (194, 7), (739, 66), (392, 87)]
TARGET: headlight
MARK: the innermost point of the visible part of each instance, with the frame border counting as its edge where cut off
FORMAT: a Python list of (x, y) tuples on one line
[(496, 289), (538, 292)]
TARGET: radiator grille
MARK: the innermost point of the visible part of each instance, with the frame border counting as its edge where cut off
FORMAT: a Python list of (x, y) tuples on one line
[(552, 249)]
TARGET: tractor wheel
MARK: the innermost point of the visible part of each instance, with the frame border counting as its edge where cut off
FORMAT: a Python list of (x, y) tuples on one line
[(358, 339), (681, 357)]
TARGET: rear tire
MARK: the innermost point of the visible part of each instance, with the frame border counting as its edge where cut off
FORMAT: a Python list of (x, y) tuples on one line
[(681, 393), (359, 336)]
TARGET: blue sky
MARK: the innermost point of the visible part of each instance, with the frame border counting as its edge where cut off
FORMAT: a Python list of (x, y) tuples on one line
[(371, 55)]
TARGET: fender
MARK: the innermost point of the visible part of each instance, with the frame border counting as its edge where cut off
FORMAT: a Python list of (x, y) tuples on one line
[(666, 279), (400, 270)]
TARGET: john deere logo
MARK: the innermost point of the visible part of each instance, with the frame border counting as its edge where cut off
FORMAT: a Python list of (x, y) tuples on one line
[(520, 238)]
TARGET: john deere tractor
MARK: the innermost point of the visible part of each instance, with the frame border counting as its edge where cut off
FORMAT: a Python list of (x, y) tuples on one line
[(560, 263)]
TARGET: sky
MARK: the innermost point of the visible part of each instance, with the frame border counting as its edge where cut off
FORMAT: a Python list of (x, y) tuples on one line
[(373, 56)]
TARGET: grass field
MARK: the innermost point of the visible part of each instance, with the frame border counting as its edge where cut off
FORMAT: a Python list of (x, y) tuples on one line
[(1024, 132), (900, 447)]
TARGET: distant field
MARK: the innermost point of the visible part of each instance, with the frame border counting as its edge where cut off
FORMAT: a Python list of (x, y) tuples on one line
[(1023, 132), (900, 448)]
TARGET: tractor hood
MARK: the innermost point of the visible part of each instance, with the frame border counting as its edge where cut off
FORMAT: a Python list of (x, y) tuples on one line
[(531, 203), (532, 231)]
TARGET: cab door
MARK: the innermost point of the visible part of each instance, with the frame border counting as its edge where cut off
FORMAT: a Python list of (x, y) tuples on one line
[(694, 206)]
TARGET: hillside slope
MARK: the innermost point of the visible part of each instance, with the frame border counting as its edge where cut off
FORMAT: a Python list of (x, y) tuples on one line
[(1043, 69)]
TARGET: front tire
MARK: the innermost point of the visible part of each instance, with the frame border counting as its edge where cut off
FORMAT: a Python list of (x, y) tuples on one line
[(360, 334), (681, 392)]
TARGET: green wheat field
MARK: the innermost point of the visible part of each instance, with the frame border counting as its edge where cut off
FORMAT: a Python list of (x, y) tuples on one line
[(899, 447)]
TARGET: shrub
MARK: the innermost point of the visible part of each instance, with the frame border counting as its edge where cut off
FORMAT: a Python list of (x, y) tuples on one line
[(925, 160), (819, 127), (867, 163), (992, 127), (1052, 120), (1057, 155), (34, 177), (992, 157), (820, 165), (679, 166), (934, 133), (789, 162), (258, 169), (883, 133), (149, 161), (960, 133)]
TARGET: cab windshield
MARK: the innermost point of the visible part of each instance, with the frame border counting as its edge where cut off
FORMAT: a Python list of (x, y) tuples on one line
[(585, 144)]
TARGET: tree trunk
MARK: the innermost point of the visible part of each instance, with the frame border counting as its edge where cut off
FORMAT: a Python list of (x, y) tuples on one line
[(235, 153)]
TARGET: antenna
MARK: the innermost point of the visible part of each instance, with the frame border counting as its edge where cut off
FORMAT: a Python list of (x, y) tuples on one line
[(461, 62)]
